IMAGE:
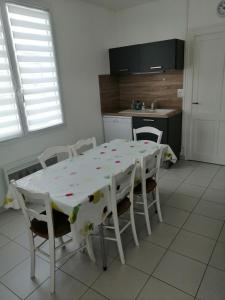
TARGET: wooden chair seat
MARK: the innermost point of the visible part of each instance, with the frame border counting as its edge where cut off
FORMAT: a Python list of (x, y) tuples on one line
[(122, 207), (60, 223), (150, 186)]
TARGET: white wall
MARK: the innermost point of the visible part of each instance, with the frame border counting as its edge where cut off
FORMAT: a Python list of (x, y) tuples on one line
[(157, 20), (164, 19), (83, 34), (203, 13)]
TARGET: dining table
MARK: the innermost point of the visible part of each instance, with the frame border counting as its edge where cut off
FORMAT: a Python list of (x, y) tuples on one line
[(79, 186)]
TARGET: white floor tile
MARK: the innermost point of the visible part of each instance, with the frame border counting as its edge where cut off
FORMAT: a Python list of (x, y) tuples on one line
[(9, 215), (197, 179), (212, 287), (181, 272), (66, 288), (145, 257), (158, 290), (218, 183), (182, 202), (222, 235), (6, 294), (211, 210), (14, 228), (92, 295), (18, 279), (120, 280), (214, 195), (204, 225), (10, 255), (218, 257), (168, 185), (191, 190), (162, 234), (3, 240), (174, 216), (81, 268), (23, 240), (193, 245)]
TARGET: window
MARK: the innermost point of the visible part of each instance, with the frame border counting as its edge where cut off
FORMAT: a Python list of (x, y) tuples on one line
[(9, 117), (29, 37)]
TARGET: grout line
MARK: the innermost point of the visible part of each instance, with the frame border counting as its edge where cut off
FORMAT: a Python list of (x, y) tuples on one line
[(90, 289), (172, 286), (14, 267), (209, 260), (168, 249), (11, 291)]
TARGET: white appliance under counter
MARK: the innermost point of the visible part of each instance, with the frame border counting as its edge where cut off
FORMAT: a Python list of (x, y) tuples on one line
[(117, 127)]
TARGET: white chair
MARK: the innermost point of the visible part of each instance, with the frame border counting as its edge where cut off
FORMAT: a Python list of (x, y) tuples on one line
[(121, 200), (150, 130), (89, 143), (56, 151), (49, 224), (150, 166)]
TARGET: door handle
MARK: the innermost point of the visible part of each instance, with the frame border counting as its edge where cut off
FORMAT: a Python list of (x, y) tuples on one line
[(156, 68), (148, 120), (196, 103), (124, 70)]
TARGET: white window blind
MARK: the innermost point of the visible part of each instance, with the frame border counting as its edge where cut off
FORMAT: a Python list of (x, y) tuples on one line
[(34, 51), (9, 117)]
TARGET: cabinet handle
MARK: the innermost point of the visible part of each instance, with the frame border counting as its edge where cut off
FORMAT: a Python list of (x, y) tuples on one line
[(124, 70), (196, 103), (156, 68), (148, 120)]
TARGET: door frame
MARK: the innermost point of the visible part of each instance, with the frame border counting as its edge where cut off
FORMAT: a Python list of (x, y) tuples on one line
[(188, 83)]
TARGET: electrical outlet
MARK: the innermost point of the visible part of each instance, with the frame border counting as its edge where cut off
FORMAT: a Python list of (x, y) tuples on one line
[(180, 93)]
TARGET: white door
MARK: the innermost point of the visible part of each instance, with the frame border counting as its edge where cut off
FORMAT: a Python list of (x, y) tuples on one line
[(207, 121)]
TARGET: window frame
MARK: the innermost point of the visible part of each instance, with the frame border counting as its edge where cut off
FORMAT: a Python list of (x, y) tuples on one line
[(15, 72)]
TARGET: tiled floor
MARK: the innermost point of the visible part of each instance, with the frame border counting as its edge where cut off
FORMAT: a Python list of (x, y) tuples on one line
[(183, 259)]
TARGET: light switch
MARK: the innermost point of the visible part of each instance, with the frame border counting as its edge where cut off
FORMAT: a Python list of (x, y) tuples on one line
[(180, 93)]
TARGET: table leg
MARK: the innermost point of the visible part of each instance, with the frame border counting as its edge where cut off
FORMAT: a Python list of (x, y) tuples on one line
[(103, 252)]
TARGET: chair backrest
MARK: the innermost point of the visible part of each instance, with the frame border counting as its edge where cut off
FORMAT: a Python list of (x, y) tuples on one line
[(60, 152), (85, 145), (29, 213), (150, 130), (150, 166), (122, 185)]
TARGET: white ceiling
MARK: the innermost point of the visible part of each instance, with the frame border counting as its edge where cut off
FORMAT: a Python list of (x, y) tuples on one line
[(118, 4)]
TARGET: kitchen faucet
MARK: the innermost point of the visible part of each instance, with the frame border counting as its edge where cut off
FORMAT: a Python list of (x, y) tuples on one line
[(154, 105)]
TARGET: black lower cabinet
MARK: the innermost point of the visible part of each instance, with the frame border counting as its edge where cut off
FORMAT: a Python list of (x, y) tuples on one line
[(171, 127)]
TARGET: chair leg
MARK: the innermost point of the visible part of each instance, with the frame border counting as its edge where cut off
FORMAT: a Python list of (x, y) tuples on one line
[(52, 264), (103, 252), (90, 249), (118, 240), (32, 255), (133, 226), (158, 205), (148, 225)]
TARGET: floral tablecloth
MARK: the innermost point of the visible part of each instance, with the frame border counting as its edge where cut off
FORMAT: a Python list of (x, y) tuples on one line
[(79, 186)]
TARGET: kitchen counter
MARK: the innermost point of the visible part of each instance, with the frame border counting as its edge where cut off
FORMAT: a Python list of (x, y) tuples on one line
[(158, 113)]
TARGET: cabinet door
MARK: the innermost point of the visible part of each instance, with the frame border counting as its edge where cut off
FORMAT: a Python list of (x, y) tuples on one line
[(124, 60), (159, 123), (157, 56)]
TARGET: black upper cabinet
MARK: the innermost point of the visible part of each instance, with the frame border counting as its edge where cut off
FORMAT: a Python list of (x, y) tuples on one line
[(150, 57), (165, 55), (124, 59)]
